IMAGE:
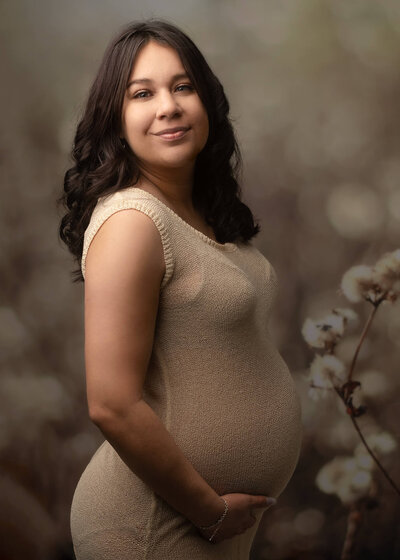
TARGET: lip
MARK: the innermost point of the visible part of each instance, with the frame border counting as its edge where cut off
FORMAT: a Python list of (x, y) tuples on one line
[(176, 135), (172, 129)]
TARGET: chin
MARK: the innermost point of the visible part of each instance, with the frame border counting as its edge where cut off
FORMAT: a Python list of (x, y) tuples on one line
[(176, 165), (177, 162)]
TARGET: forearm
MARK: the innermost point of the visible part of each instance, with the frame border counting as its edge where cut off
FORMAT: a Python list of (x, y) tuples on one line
[(149, 450)]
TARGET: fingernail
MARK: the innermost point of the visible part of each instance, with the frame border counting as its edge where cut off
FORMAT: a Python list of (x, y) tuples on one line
[(271, 501)]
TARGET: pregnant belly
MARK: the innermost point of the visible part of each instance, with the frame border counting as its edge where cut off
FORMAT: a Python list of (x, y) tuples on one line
[(244, 436)]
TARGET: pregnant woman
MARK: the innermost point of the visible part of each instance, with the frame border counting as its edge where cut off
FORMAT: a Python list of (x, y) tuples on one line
[(200, 415)]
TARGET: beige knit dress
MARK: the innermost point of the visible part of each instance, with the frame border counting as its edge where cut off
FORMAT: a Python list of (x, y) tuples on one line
[(218, 384)]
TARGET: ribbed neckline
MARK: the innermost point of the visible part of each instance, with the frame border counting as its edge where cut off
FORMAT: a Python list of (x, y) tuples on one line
[(223, 246)]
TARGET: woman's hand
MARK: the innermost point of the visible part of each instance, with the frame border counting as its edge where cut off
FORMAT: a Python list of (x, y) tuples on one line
[(239, 516)]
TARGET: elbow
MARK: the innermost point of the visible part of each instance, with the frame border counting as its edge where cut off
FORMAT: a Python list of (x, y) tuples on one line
[(101, 415), (96, 416), (104, 415)]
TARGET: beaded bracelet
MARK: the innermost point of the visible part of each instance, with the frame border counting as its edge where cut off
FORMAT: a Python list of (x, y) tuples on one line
[(213, 535), (218, 522)]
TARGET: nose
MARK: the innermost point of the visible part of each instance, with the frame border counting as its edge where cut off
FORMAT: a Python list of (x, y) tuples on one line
[(167, 105)]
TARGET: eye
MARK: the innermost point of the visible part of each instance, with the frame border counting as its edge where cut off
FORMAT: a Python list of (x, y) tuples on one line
[(185, 86), (142, 94), (139, 94)]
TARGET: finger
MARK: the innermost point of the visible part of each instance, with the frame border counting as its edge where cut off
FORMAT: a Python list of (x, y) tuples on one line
[(263, 501), (271, 501)]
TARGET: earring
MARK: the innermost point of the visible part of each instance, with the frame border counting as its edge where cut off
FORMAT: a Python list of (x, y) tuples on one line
[(123, 142)]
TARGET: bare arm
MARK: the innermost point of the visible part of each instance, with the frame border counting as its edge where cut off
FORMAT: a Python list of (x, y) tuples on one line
[(124, 270)]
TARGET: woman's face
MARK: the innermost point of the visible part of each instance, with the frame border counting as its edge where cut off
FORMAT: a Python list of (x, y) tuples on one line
[(163, 98)]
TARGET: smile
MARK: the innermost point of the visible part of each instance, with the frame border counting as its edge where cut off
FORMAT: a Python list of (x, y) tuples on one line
[(173, 135)]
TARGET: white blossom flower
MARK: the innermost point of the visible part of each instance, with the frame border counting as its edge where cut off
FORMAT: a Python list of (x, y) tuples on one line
[(350, 477), (355, 486), (387, 273), (358, 282), (318, 393), (389, 265), (364, 459), (381, 443), (373, 282), (327, 371), (322, 332), (344, 477), (313, 334)]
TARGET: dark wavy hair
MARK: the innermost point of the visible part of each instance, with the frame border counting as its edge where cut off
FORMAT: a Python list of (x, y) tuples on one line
[(103, 165)]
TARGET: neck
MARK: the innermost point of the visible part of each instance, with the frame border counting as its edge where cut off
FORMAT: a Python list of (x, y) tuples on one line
[(174, 184)]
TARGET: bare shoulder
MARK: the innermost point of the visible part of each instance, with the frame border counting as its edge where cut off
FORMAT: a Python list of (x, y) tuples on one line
[(126, 246)]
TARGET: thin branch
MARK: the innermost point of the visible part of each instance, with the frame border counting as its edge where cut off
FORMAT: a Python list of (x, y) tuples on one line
[(351, 414), (384, 471), (353, 524), (363, 335)]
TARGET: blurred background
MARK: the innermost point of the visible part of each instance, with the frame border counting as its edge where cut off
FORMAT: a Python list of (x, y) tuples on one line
[(314, 88)]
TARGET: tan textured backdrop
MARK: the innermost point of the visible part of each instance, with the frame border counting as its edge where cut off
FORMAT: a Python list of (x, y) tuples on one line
[(314, 88)]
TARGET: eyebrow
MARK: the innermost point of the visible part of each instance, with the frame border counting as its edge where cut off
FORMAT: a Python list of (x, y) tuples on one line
[(148, 81)]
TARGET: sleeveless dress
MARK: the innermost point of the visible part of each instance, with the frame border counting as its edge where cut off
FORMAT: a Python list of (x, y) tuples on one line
[(218, 384)]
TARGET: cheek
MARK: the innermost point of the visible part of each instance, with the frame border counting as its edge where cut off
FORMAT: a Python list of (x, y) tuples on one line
[(206, 128), (136, 120), (202, 120), (207, 125)]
